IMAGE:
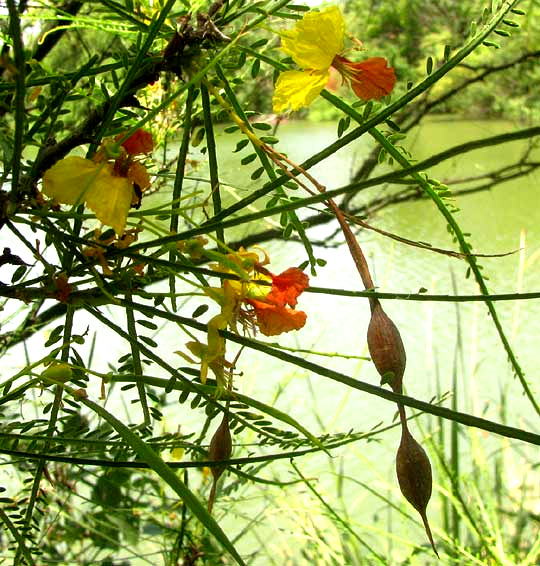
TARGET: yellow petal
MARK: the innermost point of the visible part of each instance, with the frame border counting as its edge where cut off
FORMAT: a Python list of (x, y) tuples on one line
[(316, 39), (110, 198), (211, 354), (295, 89), (177, 453), (69, 179), (74, 180), (201, 351)]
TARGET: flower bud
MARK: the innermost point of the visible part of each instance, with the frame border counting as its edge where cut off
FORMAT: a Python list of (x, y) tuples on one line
[(414, 476), (386, 348), (220, 449)]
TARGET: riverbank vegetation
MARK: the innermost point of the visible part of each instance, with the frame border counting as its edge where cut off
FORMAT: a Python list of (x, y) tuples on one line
[(202, 362)]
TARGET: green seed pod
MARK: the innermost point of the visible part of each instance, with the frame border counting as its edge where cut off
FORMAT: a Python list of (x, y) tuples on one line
[(61, 372), (414, 477), (386, 348), (220, 449), (197, 136)]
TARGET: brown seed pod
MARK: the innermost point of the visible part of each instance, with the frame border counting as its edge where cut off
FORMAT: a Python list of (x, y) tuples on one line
[(220, 449), (414, 477), (386, 348)]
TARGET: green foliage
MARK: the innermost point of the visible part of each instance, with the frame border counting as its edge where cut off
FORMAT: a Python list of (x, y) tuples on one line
[(501, 85), (123, 351)]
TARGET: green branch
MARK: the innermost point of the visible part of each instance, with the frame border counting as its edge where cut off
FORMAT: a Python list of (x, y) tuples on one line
[(20, 88), (448, 414)]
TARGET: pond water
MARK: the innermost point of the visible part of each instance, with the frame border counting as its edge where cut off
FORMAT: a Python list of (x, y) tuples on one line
[(503, 219), (500, 220)]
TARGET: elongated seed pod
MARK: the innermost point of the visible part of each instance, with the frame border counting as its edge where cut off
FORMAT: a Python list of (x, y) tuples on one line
[(414, 476), (220, 449), (386, 348)]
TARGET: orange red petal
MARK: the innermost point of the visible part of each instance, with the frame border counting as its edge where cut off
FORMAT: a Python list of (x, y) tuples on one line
[(138, 143), (137, 173), (273, 319), (369, 79), (287, 286)]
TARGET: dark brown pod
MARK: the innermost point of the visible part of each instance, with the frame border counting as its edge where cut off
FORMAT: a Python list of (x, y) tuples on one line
[(414, 477), (386, 348), (220, 449)]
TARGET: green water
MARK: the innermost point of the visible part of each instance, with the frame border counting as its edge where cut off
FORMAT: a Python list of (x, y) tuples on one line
[(496, 219), (500, 220)]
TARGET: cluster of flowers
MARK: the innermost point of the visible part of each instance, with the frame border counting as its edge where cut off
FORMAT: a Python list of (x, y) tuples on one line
[(257, 299), (252, 296)]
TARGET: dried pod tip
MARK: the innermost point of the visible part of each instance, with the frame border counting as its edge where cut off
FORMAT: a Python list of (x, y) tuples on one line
[(220, 449), (414, 477), (386, 348)]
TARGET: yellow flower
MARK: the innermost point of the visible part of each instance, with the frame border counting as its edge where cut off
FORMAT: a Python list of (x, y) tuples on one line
[(212, 355), (316, 39), (315, 45), (110, 189), (266, 301), (258, 300), (74, 180)]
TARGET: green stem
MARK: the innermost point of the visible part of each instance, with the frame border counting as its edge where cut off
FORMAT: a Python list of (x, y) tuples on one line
[(135, 68), (19, 539), (212, 158), (137, 366), (470, 258), (391, 177), (20, 113), (463, 418), (237, 115), (198, 464), (51, 429), (345, 525), (152, 458), (179, 183), (182, 158)]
